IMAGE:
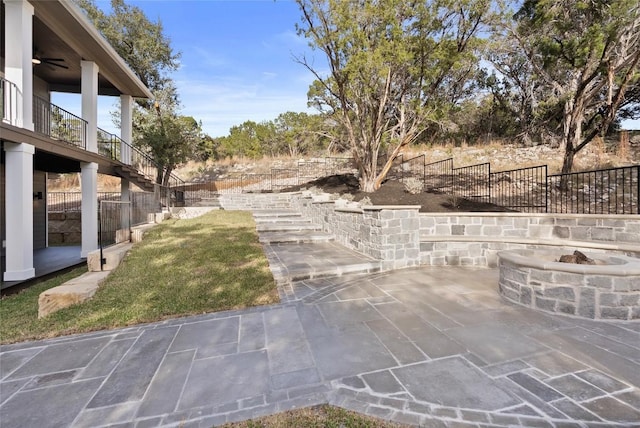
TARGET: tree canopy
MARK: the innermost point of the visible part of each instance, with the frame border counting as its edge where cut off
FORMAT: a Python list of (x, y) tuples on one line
[(138, 40), (584, 57), (396, 67)]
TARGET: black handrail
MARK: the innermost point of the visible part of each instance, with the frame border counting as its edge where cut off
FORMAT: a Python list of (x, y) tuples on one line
[(59, 124)]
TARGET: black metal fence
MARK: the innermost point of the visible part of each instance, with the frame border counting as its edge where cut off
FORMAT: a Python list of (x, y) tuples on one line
[(530, 189), (605, 191), (523, 189), (439, 176), (72, 201), (282, 178), (114, 222), (473, 182), (414, 168), (59, 124)]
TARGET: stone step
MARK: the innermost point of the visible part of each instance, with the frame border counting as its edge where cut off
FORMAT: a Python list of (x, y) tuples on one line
[(260, 214), (289, 227), (282, 220), (295, 237), (112, 256), (284, 274)]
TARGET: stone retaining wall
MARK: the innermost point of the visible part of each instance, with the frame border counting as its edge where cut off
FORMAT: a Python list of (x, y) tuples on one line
[(257, 201), (64, 228), (476, 238), (394, 234), (386, 233)]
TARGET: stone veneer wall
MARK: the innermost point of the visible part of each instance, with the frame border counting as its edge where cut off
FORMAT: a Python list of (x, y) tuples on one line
[(64, 228), (386, 233), (476, 238), (402, 237), (257, 201)]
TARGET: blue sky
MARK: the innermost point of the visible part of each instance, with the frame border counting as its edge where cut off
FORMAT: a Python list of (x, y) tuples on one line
[(237, 60)]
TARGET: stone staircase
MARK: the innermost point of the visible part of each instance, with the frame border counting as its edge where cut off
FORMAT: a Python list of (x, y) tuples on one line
[(300, 250)]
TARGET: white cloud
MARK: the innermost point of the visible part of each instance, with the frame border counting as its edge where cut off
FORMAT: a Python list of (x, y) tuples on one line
[(224, 102)]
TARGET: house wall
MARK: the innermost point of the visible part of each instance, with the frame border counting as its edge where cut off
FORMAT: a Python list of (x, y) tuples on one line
[(41, 88), (40, 210)]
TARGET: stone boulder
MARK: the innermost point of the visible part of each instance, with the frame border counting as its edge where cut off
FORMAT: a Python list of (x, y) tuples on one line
[(78, 290)]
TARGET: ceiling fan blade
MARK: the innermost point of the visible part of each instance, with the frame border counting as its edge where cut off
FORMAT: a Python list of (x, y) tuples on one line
[(52, 59), (54, 64)]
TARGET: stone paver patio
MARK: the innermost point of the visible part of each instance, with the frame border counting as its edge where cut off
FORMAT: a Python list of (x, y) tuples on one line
[(430, 346)]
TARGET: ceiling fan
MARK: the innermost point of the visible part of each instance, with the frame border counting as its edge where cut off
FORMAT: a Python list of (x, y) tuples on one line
[(55, 62)]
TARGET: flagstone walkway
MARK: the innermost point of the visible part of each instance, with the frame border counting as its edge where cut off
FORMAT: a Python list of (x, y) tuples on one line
[(435, 347)]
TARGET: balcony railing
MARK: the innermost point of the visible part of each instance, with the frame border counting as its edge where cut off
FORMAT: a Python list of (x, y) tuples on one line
[(109, 145), (59, 124), (113, 147), (11, 100)]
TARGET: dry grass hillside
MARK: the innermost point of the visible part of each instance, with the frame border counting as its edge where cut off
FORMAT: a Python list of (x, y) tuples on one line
[(597, 155), (501, 156)]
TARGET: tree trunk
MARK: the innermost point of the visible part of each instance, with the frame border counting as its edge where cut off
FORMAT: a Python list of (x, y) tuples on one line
[(368, 182), (574, 117), (167, 176)]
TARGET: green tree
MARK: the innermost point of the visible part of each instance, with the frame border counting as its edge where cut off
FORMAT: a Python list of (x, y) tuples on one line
[(396, 67), (245, 140), (138, 40), (587, 54), (299, 133), (170, 139)]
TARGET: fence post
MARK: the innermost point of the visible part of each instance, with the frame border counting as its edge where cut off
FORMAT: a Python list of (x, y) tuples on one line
[(489, 169), (637, 188), (546, 190)]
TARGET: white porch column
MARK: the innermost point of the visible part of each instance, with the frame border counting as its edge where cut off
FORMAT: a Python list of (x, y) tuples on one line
[(89, 89), (18, 44), (126, 127), (19, 211), (89, 206), (126, 211)]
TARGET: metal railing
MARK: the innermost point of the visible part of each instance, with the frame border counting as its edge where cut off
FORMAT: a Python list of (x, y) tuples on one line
[(114, 224), (282, 178), (605, 191), (72, 201), (57, 123), (109, 145), (143, 163), (473, 182), (11, 99), (438, 176), (523, 189)]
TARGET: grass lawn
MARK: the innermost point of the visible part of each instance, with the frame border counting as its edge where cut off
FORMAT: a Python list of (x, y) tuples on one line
[(182, 267), (324, 416)]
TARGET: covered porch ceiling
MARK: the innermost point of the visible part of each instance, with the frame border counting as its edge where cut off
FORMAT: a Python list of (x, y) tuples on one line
[(61, 31)]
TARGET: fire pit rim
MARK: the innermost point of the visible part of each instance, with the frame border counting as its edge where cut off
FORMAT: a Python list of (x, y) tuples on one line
[(623, 266)]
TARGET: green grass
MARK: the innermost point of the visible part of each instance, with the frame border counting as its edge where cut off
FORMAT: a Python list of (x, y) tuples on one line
[(324, 416), (182, 267)]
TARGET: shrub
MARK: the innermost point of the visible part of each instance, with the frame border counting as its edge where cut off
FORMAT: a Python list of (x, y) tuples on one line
[(413, 185), (366, 202)]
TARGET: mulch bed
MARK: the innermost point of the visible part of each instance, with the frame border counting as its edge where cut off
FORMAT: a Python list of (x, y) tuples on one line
[(392, 192)]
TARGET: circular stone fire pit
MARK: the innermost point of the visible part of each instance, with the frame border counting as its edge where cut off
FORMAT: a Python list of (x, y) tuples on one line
[(609, 289)]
